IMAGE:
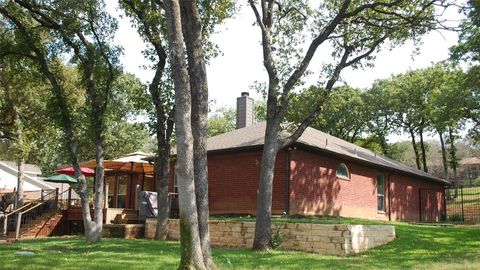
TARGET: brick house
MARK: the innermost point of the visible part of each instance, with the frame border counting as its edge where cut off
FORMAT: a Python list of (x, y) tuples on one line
[(318, 175)]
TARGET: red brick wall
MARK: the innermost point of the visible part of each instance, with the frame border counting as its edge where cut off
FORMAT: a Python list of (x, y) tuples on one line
[(314, 187), (406, 198), (316, 190), (233, 182)]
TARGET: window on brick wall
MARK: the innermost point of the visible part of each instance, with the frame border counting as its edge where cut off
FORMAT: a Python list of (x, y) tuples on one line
[(380, 193), (342, 171)]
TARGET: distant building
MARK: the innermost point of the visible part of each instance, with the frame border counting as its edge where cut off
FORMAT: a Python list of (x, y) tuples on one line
[(9, 181), (470, 169)]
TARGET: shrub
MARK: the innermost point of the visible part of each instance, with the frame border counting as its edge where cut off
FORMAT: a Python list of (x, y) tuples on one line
[(455, 218), (276, 237), (476, 182)]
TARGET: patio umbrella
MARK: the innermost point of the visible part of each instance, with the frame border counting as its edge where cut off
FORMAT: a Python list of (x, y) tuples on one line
[(61, 178), (133, 163), (70, 171)]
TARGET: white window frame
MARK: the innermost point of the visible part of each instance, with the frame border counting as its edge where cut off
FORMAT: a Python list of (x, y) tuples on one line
[(381, 195), (346, 168)]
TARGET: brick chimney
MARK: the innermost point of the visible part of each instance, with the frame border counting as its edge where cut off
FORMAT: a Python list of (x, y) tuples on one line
[(244, 110)]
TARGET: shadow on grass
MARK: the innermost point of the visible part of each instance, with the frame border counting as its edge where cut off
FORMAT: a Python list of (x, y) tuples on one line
[(416, 247), (73, 253)]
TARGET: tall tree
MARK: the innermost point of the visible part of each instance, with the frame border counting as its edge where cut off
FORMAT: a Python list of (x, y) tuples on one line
[(412, 90), (23, 103), (353, 29), (468, 49), (191, 257), (447, 102), (150, 22), (185, 29), (379, 110), (343, 115), (83, 31), (149, 18)]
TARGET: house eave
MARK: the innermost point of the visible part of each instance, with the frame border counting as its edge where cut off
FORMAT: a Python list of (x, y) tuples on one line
[(366, 162)]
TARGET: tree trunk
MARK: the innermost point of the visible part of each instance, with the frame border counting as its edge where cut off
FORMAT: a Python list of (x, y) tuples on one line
[(66, 122), (424, 151), (21, 181), (191, 251), (162, 169), (263, 223), (384, 145), (414, 145), (444, 154), (164, 128), (20, 161), (199, 90), (94, 234), (453, 156)]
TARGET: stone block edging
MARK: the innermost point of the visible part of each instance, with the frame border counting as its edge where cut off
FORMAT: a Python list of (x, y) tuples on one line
[(337, 239)]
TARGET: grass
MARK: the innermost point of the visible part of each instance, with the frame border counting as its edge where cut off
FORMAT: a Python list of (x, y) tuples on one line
[(416, 247), (302, 219)]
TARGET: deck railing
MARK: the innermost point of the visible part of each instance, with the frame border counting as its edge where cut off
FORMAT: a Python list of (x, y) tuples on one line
[(19, 218)]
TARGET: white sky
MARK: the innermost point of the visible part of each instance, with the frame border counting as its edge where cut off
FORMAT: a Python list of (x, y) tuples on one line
[(241, 63)]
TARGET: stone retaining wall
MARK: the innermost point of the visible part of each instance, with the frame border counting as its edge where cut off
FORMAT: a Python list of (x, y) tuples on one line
[(319, 238)]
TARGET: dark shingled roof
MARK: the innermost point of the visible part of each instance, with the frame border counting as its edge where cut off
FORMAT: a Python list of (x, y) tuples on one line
[(253, 136)]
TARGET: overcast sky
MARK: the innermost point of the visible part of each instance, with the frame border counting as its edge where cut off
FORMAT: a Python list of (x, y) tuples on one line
[(241, 62)]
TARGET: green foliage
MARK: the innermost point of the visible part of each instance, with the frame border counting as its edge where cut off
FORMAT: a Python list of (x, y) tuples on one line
[(477, 181), (472, 82), (277, 239), (468, 47), (260, 110), (221, 121), (45, 144), (455, 218), (22, 114), (343, 115)]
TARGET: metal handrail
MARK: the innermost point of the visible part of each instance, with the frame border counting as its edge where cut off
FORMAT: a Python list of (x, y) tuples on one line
[(30, 209), (29, 204), (42, 202), (20, 211)]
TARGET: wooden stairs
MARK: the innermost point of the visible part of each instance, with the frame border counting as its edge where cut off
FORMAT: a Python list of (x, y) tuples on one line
[(42, 226)]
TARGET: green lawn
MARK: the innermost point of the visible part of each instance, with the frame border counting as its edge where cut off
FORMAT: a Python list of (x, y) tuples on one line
[(417, 247), (305, 219)]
